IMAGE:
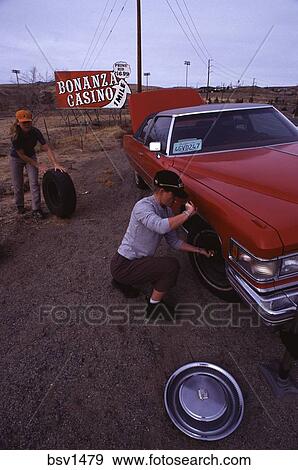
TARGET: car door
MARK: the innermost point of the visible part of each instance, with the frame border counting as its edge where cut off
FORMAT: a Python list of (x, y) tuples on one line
[(151, 162)]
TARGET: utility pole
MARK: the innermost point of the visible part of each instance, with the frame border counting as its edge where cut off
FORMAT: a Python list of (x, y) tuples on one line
[(187, 64), (17, 75), (253, 90), (208, 78), (147, 75), (139, 47), (222, 91)]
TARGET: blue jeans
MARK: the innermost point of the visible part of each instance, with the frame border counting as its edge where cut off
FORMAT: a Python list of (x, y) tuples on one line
[(17, 173)]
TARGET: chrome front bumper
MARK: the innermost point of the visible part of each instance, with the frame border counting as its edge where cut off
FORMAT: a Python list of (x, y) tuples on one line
[(275, 307)]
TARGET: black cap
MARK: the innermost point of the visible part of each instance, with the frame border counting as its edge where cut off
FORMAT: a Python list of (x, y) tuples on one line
[(170, 181)]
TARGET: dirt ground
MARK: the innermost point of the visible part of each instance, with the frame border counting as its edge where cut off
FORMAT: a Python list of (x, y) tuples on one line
[(76, 373)]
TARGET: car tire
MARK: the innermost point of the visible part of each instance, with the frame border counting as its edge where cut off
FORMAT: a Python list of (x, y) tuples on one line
[(210, 271), (59, 193), (140, 183)]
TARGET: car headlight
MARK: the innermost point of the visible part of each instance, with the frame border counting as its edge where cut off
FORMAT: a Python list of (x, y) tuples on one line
[(260, 270), (289, 265)]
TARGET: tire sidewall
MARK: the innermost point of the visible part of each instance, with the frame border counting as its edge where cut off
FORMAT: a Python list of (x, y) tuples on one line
[(65, 204), (193, 236)]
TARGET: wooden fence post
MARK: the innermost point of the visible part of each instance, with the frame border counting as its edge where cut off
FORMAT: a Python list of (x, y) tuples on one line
[(46, 128)]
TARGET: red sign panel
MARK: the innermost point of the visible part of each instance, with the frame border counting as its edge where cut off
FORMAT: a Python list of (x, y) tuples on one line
[(96, 89)]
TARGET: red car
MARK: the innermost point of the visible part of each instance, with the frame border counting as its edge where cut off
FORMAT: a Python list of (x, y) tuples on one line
[(239, 164)]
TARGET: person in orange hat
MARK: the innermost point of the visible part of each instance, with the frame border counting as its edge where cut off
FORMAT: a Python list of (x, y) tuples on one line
[(24, 138)]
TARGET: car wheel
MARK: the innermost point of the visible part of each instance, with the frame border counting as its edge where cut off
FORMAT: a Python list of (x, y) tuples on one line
[(139, 181), (59, 193), (211, 271)]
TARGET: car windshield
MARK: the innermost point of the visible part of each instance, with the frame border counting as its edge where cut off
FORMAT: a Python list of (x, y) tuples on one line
[(226, 130)]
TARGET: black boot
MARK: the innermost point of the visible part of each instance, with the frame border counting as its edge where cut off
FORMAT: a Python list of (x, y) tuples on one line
[(160, 311), (129, 292), (21, 210)]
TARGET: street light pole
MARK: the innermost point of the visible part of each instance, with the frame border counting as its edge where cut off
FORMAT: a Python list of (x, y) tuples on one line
[(147, 75), (17, 75), (187, 64)]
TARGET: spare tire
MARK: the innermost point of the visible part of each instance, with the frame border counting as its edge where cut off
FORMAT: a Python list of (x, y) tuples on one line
[(59, 193)]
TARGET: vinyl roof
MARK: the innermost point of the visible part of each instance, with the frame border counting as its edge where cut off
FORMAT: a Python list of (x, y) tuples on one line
[(212, 108)]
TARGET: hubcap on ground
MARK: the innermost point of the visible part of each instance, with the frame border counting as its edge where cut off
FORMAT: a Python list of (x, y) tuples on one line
[(204, 401)]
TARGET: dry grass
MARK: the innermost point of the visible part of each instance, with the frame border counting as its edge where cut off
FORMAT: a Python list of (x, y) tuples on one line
[(79, 141)]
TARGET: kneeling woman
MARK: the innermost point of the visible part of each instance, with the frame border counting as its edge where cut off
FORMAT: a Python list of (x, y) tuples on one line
[(24, 138)]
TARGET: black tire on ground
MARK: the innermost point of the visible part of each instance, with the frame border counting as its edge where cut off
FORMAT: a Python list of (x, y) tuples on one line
[(139, 181), (210, 271), (59, 193)]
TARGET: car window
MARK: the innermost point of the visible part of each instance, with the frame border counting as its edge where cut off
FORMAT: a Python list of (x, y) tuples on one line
[(144, 129), (226, 130), (159, 132), (269, 124)]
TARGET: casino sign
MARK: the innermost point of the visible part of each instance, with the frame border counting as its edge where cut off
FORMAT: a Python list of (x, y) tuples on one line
[(96, 89)]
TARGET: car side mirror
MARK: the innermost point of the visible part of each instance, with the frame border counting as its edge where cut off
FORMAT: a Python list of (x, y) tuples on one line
[(155, 146)]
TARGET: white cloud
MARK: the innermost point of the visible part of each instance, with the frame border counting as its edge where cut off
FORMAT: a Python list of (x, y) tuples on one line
[(232, 30)]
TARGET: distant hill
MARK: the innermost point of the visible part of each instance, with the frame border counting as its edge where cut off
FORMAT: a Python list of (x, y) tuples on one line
[(41, 96)]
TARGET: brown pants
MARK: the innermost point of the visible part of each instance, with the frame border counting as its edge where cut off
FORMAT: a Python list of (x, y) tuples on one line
[(162, 272)]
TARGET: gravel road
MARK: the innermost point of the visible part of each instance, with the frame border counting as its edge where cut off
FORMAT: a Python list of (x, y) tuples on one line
[(75, 376)]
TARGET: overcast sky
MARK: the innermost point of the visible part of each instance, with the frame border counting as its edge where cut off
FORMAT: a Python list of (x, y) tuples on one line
[(231, 31)]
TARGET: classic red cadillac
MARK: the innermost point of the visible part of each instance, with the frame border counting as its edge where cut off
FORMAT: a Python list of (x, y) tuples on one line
[(239, 164)]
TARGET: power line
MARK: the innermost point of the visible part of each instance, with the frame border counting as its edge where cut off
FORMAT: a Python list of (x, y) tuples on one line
[(186, 21), (107, 38), (234, 91), (220, 65), (39, 48), (228, 72), (95, 33), (223, 73), (177, 19), (227, 68), (222, 69), (104, 27), (257, 51), (187, 9)]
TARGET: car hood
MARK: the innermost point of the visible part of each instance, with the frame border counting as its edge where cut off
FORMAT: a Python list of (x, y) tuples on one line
[(143, 104), (262, 181)]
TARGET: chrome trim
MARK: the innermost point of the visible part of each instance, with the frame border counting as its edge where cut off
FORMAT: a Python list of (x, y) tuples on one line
[(224, 109), (285, 117), (289, 255), (276, 278), (256, 257), (169, 137), (231, 150), (241, 268), (256, 279), (258, 302), (265, 290), (287, 276)]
